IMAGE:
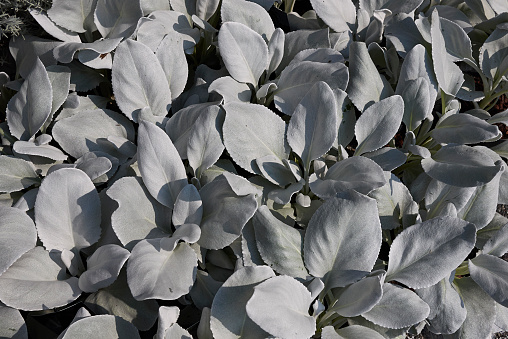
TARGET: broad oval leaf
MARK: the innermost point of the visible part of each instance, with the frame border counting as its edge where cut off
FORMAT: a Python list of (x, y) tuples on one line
[(493, 54), (160, 165), (256, 126), (156, 272), (425, 253), (250, 14), (139, 80), (280, 245), (13, 325), (491, 274), (35, 282), (138, 216), (399, 307), (74, 15), (117, 18), (463, 166), (243, 51), (417, 102), (343, 235), (30, 107), (230, 89), (350, 332), (171, 56), (17, 236), (378, 124), (228, 317), (359, 297), (280, 306), (51, 28), (313, 125), (497, 245), (46, 151), (339, 15), (463, 128), (109, 326), (77, 223), (16, 174), (188, 207)]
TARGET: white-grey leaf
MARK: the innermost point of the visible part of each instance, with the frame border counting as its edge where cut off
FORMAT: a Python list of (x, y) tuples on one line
[(275, 50), (280, 305), (139, 80), (117, 18), (339, 15), (417, 102), (350, 332), (464, 129), (35, 282), (497, 245), (378, 124), (66, 51), (75, 15), (204, 290), (51, 28), (491, 274), (171, 56), (243, 51), (188, 207), (16, 174), (423, 254), (399, 307), (334, 244), (77, 223), (151, 270), (439, 194), (230, 89), (206, 8), (250, 14), (360, 297), (109, 326), (493, 54), (13, 325), (160, 165)]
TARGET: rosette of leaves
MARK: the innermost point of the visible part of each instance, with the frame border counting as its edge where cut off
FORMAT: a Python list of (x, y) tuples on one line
[(323, 182)]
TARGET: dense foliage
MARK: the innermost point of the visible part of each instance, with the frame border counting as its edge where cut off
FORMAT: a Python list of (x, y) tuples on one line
[(333, 174)]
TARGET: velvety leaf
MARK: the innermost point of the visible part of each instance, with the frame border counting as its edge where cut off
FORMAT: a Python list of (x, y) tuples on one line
[(44, 150), (250, 14), (188, 207), (224, 213), (497, 245), (103, 267), (439, 194), (138, 216), (65, 52), (280, 305), (109, 326), (151, 270), (51, 28), (425, 253), (204, 290), (139, 80), (244, 52), (17, 236), (75, 15), (339, 15), (350, 332), (343, 235), (387, 158), (280, 245), (117, 18), (366, 85), (35, 282), (275, 50), (313, 125), (171, 56), (417, 102), (31, 106), (230, 89), (399, 307), (160, 165), (77, 223), (256, 126), (360, 297), (462, 166), (494, 53), (491, 274), (16, 174), (13, 325), (82, 132), (378, 124), (228, 317), (464, 129), (297, 41), (206, 8)]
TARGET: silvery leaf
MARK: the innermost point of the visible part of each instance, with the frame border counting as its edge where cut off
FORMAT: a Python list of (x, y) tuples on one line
[(360, 297), (398, 308), (464, 129), (366, 86), (16, 174), (139, 80), (378, 124), (387, 158), (188, 207), (168, 315), (493, 55), (206, 8), (462, 166), (425, 253), (77, 223), (160, 165), (297, 41), (491, 274), (30, 107), (117, 18), (395, 204), (339, 15), (501, 322), (394, 6), (84, 78), (350, 332), (457, 42), (483, 235), (449, 75), (439, 194), (95, 166), (330, 233), (280, 245), (224, 213), (25, 49), (230, 89), (358, 173), (257, 126), (250, 252), (18, 235), (13, 325), (447, 311), (203, 330), (151, 267), (497, 245), (283, 196), (250, 14), (204, 290), (404, 34), (138, 216), (171, 56), (80, 133), (205, 144), (417, 102), (244, 52), (103, 267), (275, 50), (51, 28), (35, 282), (109, 325), (149, 6), (66, 51), (313, 125), (275, 170), (228, 317), (480, 307), (27, 201), (279, 305), (117, 299), (75, 15), (456, 15)]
